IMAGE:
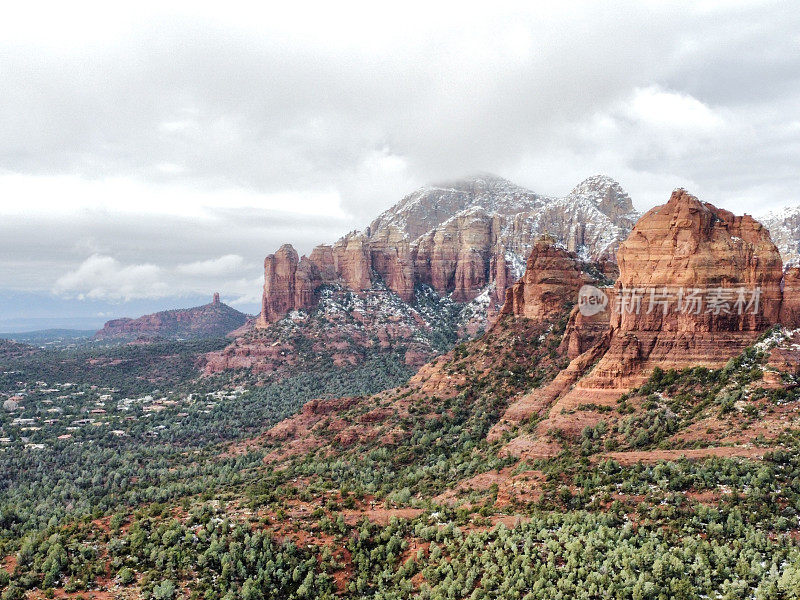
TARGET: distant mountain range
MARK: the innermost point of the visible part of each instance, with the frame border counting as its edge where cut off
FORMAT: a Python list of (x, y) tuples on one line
[(462, 238), (50, 336), (432, 269)]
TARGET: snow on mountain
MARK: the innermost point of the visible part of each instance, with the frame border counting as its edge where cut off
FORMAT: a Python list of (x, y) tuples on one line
[(430, 206), (607, 196), (432, 269), (784, 228), (591, 220)]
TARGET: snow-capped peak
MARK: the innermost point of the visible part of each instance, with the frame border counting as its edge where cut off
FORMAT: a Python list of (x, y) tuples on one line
[(430, 206), (605, 193)]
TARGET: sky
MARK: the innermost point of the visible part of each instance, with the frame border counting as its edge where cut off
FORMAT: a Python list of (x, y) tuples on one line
[(152, 153)]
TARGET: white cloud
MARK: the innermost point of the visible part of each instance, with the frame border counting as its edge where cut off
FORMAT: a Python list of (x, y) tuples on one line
[(167, 133), (32, 195), (668, 110), (105, 278), (213, 267)]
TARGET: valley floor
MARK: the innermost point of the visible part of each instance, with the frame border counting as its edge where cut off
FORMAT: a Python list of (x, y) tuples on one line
[(687, 486)]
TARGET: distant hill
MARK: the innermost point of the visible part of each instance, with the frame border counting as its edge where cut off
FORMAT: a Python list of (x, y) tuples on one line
[(210, 320)]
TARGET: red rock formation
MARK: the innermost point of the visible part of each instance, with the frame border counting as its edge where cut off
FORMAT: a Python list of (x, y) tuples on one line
[(323, 258), (289, 284), (459, 238), (347, 328), (551, 282), (393, 261), (280, 270), (453, 258), (679, 247), (353, 262), (585, 331), (790, 309), (683, 245), (210, 320)]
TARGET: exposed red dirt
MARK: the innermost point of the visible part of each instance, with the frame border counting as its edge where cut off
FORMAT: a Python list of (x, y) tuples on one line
[(652, 456)]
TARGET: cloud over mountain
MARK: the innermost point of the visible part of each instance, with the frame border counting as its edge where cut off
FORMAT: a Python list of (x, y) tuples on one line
[(167, 136)]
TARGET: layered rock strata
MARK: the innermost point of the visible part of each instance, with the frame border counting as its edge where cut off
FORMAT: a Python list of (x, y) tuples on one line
[(697, 285), (459, 238), (551, 281), (790, 307)]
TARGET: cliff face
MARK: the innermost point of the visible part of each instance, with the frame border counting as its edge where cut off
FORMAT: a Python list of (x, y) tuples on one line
[(552, 279), (697, 285), (790, 308), (724, 271), (685, 244), (459, 238), (280, 278), (210, 320)]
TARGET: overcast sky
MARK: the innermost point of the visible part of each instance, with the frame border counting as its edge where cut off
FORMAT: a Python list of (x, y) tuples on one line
[(150, 156)]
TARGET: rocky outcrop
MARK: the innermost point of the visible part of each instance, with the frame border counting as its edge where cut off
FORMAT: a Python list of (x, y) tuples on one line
[(425, 209), (784, 228), (280, 279), (460, 238), (551, 282), (697, 285), (454, 257), (585, 331), (790, 308), (592, 220), (345, 328), (354, 262), (210, 320)]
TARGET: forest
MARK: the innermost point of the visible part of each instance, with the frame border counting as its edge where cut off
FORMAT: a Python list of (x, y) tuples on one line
[(166, 486)]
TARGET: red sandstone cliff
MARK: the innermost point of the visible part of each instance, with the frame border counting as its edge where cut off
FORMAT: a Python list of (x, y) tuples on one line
[(289, 283), (459, 238), (684, 243), (681, 250), (551, 282), (790, 309), (682, 246)]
